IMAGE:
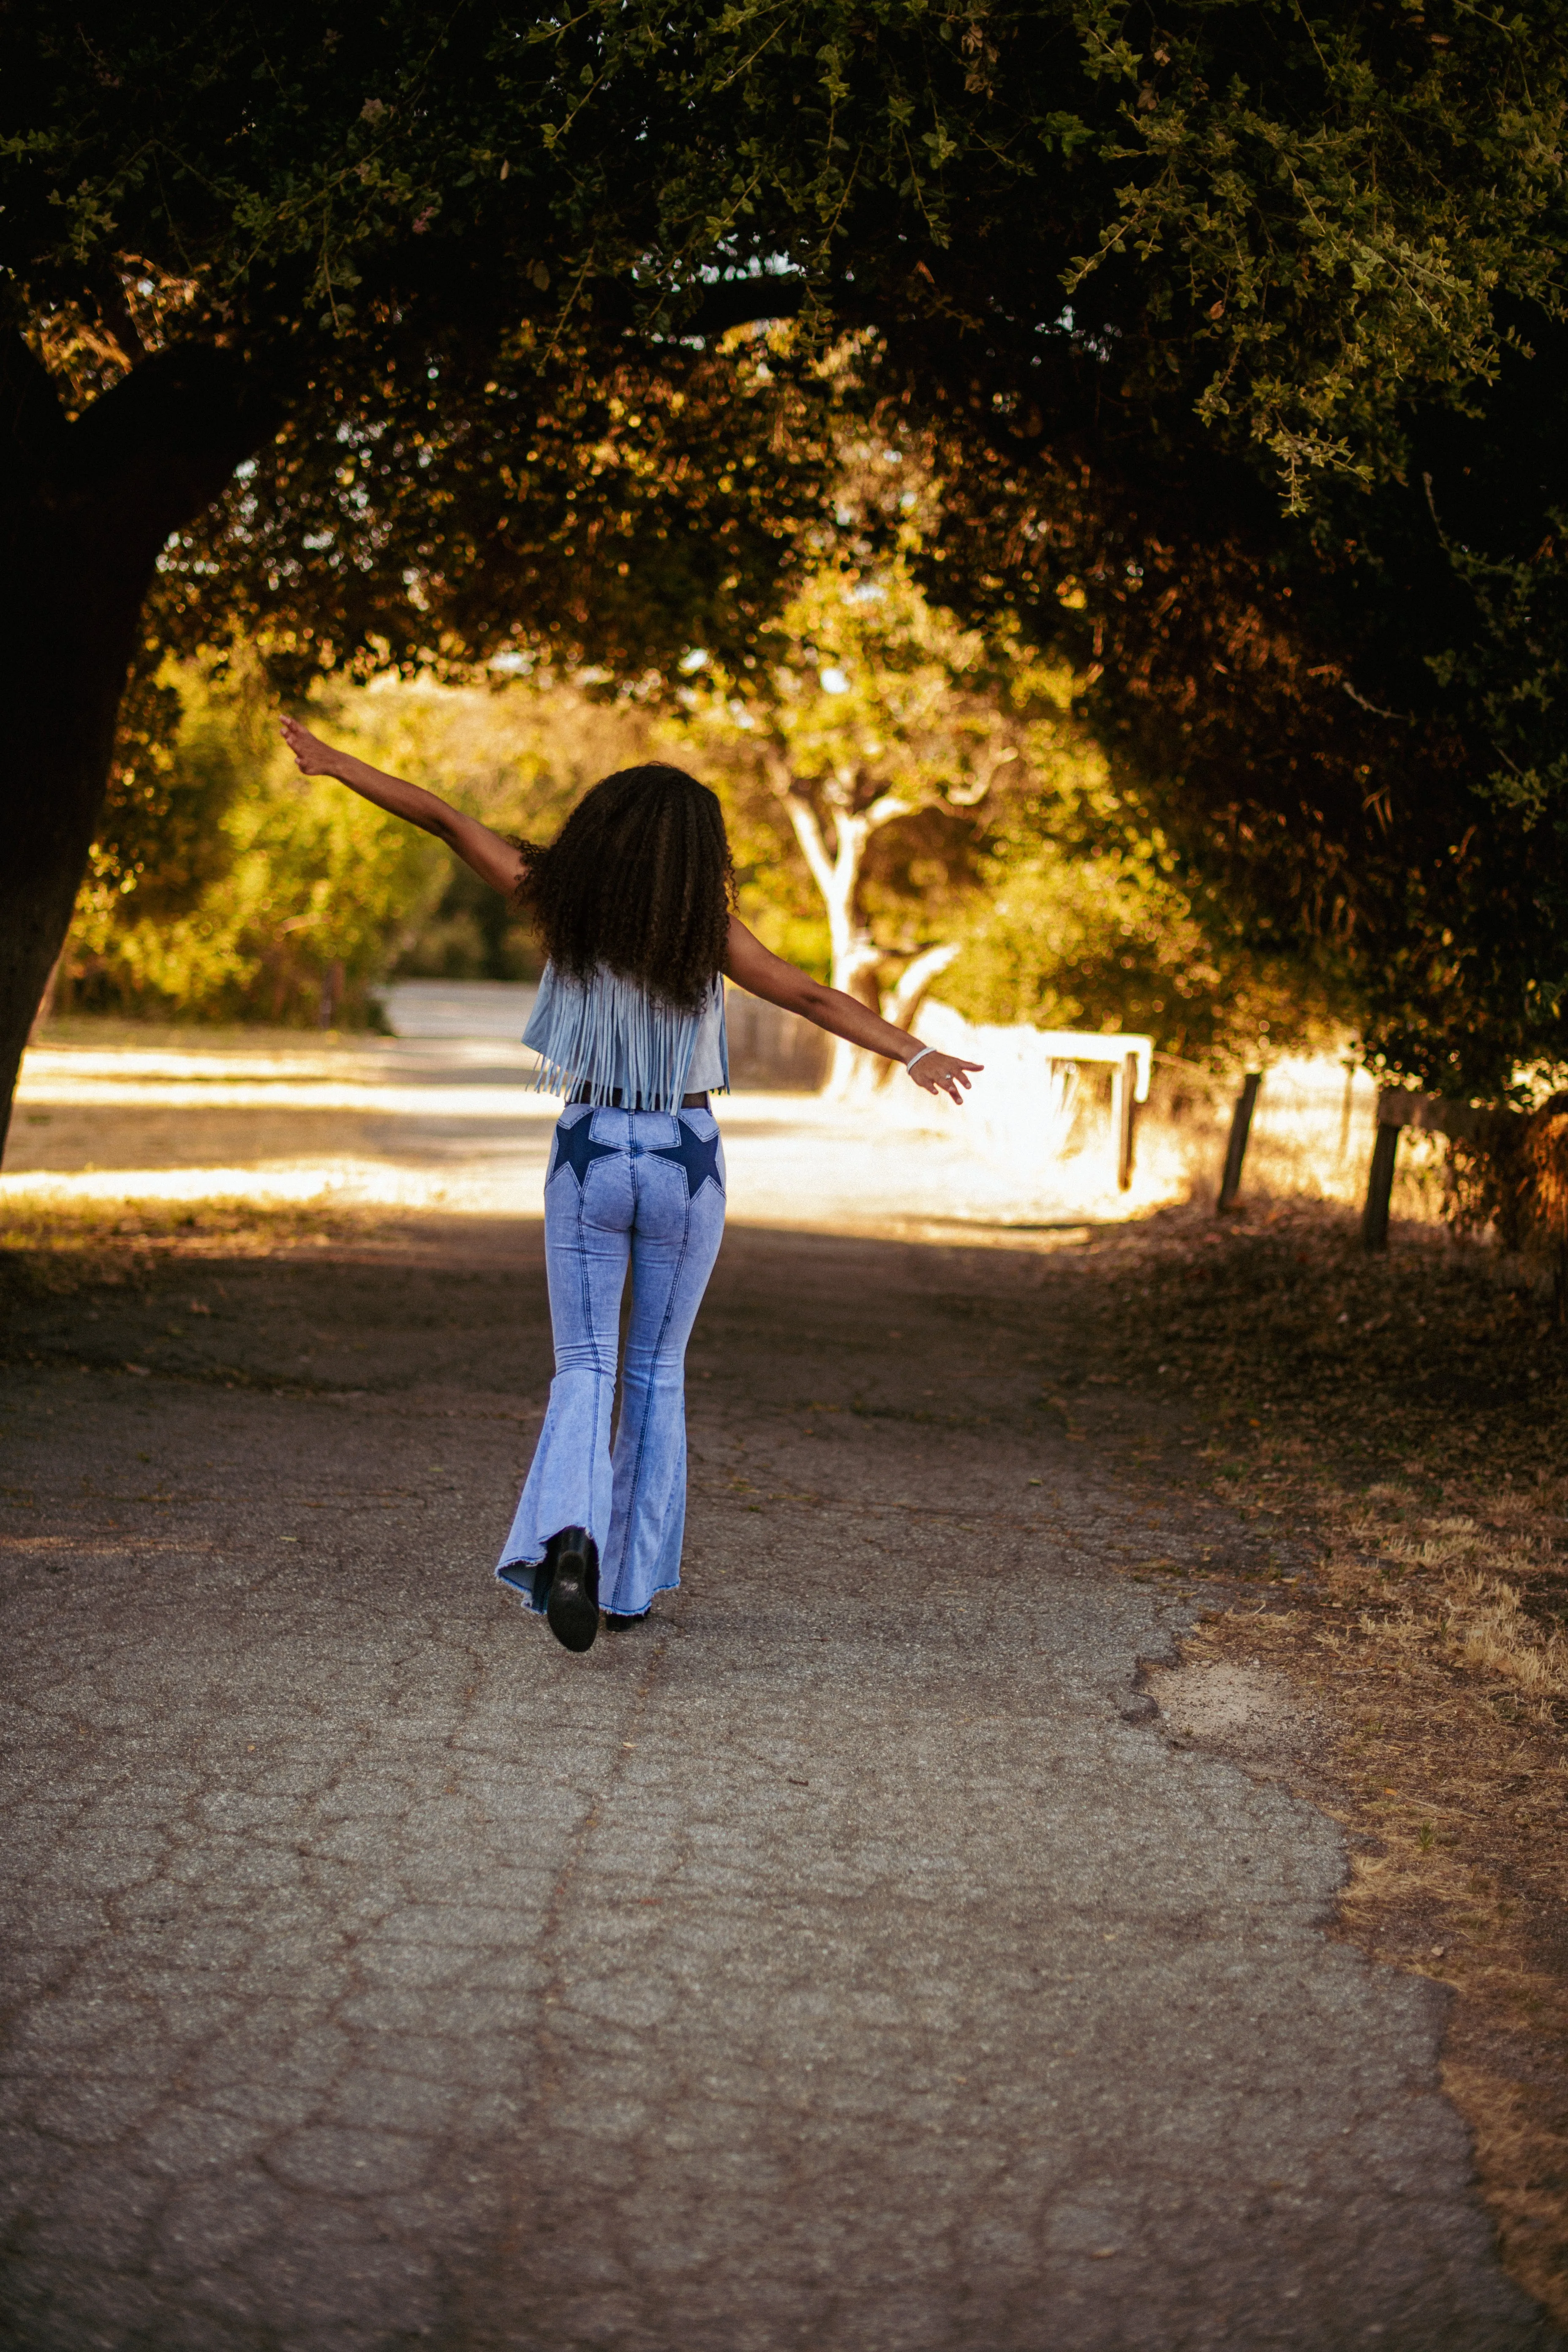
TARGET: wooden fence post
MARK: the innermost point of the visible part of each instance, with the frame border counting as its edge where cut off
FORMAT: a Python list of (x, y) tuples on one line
[(1124, 1096), (1236, 1150), (1380, 1186), (1400, 1107)]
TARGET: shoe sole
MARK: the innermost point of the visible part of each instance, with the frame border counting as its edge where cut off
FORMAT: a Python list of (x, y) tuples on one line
[(573, 1608)]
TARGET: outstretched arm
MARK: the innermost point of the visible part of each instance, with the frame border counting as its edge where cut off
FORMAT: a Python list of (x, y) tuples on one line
[(754, 967), (493, 859)]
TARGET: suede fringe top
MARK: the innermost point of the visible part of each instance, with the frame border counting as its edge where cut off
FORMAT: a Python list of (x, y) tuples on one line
[(609, 1039)]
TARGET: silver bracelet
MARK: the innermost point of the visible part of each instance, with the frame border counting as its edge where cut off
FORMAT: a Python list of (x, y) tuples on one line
[(920, 1056)]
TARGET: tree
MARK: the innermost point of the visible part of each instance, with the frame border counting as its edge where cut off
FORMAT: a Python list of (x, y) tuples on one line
[(891, 741), (1341, 707), (297, 248), (1348, 726), (1251, 224)]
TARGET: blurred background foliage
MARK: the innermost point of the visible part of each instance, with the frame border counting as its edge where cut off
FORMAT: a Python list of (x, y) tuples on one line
[(1080, 923), (224, 886)]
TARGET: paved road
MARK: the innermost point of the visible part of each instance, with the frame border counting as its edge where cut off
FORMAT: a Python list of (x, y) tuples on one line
[(830, 1966)]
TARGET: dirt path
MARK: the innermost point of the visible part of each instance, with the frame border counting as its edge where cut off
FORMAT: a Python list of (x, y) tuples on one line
[(845, 1963)]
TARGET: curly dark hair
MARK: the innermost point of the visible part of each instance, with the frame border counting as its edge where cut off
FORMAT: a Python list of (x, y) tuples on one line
[(639, 879)]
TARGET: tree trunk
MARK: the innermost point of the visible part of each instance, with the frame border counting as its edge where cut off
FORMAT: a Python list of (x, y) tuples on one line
[(85, 508), (65, 646), (855, 956)]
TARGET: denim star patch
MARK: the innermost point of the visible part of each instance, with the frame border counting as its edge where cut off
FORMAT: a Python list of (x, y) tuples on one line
[(699, 1160), (575, 1148)]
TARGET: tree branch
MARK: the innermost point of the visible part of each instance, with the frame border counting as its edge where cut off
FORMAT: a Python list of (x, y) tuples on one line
[(189, 413), (109, 292), (904, 1002), (808, 833), (31, 418)]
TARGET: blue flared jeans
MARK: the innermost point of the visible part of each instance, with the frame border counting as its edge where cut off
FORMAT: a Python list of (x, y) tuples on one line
[(643, 1188)]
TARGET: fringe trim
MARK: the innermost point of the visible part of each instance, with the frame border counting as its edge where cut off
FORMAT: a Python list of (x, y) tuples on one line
[(609, 1036)]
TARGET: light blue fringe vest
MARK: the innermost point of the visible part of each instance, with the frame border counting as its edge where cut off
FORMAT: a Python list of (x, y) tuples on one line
[(607, 1037)]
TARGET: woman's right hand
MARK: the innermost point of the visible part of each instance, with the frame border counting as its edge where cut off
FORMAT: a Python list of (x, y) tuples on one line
[(942, 1074), (314, 757), (494, 859)]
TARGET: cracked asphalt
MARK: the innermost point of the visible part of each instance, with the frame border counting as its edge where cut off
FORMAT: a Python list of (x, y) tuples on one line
[(850, 1961)]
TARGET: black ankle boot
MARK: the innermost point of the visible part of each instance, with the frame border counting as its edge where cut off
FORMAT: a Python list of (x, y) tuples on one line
[(617, 1622), (572, 1606)]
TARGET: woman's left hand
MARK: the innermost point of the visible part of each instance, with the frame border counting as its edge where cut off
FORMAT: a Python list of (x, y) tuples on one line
[(942, 1074)]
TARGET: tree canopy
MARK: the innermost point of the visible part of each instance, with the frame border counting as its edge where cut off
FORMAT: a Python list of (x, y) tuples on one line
[(451, 289), (1288, 216), (1350, 726)]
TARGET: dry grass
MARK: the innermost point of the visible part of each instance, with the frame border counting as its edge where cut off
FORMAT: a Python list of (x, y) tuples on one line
[(1405, 1416), (1447, 1684)]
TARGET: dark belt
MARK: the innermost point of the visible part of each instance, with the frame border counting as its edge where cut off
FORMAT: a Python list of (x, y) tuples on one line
[(688, 1102)]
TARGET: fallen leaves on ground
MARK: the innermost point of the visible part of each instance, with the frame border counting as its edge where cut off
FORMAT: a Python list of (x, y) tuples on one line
[(1408, 1409)]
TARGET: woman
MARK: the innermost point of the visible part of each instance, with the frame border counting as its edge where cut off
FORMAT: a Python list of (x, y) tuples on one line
[(633, 903)]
